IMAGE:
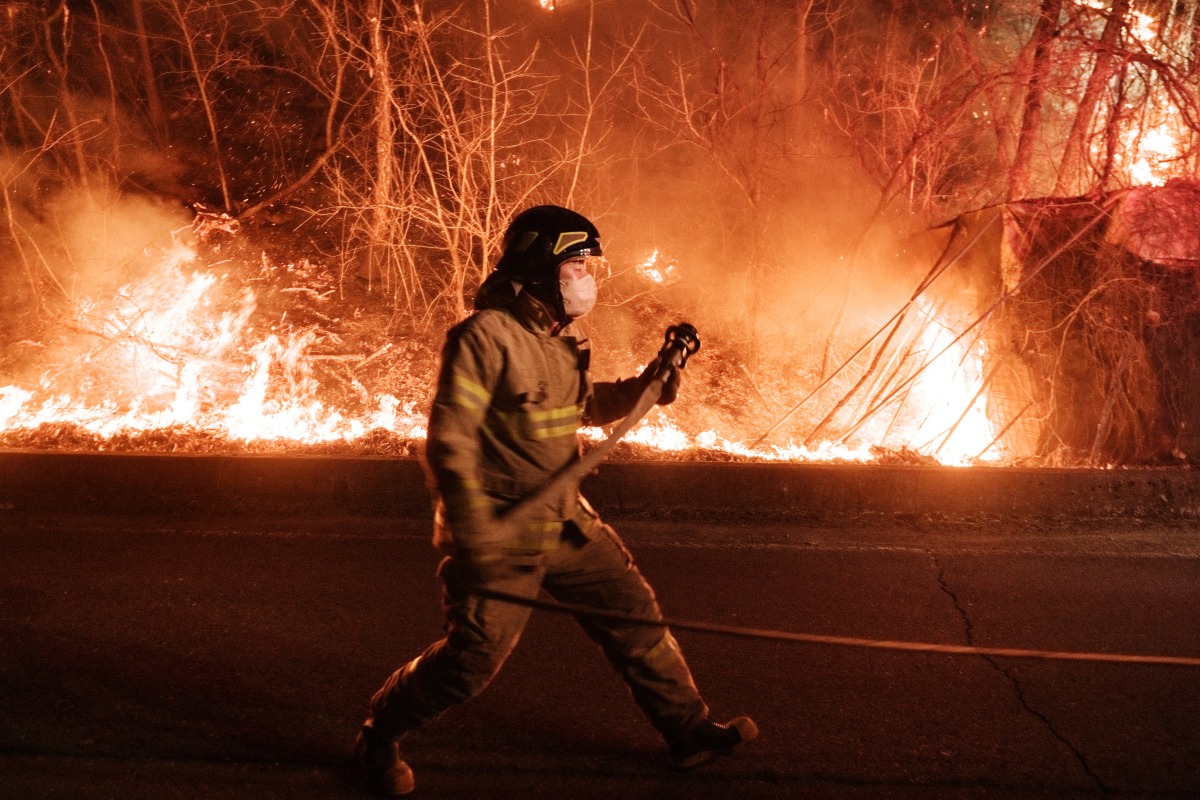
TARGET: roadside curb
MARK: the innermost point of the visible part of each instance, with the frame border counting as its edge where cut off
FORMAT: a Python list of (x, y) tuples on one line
[(320, 486)]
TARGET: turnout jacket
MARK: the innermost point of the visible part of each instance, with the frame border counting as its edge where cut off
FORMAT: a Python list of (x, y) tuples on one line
[(509, 402)]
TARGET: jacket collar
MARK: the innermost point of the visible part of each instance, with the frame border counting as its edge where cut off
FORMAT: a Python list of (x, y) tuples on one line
[(534, 315)]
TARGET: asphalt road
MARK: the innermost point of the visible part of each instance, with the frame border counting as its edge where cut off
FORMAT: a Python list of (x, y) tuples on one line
[(234, 658)]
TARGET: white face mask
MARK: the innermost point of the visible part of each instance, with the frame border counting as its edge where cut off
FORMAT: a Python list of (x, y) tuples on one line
[(578, 295)]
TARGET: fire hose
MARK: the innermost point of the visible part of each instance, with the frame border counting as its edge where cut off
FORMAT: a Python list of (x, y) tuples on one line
[(839, 641), (680, 342)]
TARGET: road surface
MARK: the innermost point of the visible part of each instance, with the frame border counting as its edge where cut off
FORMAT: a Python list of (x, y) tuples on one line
[(233, 658)]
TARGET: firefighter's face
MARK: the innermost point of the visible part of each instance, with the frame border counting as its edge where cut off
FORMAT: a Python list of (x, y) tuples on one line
[(579, 266), (572, 269)]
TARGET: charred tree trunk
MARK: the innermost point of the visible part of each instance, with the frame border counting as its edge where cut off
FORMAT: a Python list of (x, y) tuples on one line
[(1112, 132), (1020, 177)]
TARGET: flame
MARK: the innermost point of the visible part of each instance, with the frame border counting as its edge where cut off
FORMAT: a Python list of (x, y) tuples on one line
[(941, 416), (658, 269), (1150, 148), (659, 432), (1153, 153), (950, 391), (161, 355), (180, 350), (1143, 26)]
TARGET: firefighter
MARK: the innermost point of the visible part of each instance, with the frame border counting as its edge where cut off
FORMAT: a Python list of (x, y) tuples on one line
[(512, 392)]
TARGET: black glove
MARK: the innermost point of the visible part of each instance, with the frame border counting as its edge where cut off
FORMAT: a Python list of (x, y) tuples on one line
[(671, 383)]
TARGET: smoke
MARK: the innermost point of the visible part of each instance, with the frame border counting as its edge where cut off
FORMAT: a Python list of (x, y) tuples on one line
[(100, 239), (73, 250), (86, 241), (779, 274), (727, 167), (687, 149)]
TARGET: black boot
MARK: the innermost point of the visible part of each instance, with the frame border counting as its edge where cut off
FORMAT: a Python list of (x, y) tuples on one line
[(710, 739), (387, 773)]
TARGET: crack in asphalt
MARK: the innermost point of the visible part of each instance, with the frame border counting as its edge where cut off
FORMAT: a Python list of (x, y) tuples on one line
[(969, 631)]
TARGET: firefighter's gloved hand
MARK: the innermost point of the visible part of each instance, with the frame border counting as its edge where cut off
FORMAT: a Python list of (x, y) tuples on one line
[(673, 377)]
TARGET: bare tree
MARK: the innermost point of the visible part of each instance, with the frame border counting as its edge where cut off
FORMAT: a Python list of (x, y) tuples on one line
[(203, 44), (149, 81), (1105, 60), (1031, 82), (731, 89)]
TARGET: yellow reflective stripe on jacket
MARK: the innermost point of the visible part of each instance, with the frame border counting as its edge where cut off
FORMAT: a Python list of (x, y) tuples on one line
[(543, 424), (466, 393)]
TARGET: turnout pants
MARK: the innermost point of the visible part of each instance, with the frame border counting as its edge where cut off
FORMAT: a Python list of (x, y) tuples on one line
[(596, 571)]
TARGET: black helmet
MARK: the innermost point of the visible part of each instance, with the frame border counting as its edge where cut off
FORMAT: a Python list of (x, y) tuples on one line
[(541, 238)]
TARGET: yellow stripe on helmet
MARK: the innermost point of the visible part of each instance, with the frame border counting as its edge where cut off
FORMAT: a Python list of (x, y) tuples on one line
[(568, 238)]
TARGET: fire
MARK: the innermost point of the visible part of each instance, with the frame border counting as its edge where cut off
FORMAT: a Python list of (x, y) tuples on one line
[(1150, 148), (660, 433), (186, 350), (161, 354), (1153, 153), (940, 415), (1143, 26), (658, 269), (949, 392)]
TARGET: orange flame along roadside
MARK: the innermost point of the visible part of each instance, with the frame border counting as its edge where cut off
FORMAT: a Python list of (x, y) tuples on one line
[(178, 351)]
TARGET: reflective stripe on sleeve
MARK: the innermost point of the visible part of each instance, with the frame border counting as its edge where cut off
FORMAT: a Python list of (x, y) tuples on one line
[(468, 394)]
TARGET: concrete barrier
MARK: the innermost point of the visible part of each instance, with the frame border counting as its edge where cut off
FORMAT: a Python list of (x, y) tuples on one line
[(823, 490), (153, 483), (182, 485)]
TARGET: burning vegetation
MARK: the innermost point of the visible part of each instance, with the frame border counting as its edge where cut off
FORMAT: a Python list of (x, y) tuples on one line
[(244, 227)]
